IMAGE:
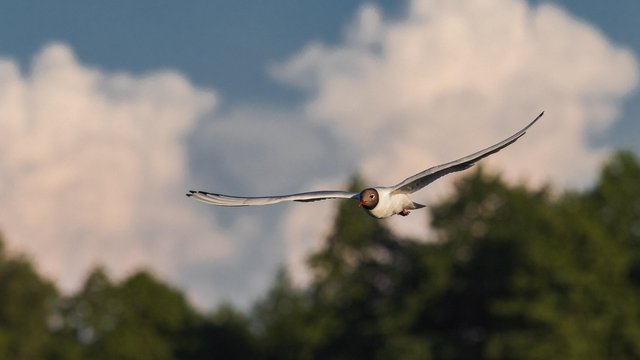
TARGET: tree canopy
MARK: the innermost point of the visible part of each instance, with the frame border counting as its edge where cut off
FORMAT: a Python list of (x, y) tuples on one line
[(512, 272)]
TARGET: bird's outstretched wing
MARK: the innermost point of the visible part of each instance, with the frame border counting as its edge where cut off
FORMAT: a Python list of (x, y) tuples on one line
[(226, 200), (424, 178)]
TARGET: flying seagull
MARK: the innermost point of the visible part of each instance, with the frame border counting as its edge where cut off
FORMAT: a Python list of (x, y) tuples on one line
[(380, 201)]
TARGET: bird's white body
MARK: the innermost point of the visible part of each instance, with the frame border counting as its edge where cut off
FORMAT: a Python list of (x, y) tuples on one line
[(379, 202), (390, 204)]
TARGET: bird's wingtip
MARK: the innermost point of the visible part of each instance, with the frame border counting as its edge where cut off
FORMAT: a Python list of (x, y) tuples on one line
[(535, 120)]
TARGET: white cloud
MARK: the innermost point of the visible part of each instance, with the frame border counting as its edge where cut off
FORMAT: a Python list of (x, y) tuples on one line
[(258, 150), (94, 164), (304, 229), (264, 150), (93, 169), (456, 76)]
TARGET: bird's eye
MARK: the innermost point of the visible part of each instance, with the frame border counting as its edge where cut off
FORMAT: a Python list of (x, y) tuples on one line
[(371, 196)]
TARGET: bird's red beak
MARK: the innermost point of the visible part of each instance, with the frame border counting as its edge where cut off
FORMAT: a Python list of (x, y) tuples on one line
[(361, 203)]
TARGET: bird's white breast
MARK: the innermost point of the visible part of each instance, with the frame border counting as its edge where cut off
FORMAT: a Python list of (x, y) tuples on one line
[(389, 204)]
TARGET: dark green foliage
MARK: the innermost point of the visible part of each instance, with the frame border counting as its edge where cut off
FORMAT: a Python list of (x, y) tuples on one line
[(223, 335), (138, 318), (284, 321), (142, 318), (26, 300), (512, 273), (537, 276), (615, 201)]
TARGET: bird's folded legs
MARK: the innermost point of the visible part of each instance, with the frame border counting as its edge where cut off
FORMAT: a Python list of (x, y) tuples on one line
[(404, 212)]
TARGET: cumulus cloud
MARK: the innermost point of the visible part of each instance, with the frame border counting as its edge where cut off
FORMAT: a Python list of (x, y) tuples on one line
[(259, 149), (94, 164), (256, 150), (455, 76), (93, 170)]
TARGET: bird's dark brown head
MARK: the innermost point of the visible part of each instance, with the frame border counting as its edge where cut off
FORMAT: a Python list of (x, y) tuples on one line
[(369, 198)]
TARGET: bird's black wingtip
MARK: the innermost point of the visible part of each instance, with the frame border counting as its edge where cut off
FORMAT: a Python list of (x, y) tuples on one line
[(191, 193), (534, 120)]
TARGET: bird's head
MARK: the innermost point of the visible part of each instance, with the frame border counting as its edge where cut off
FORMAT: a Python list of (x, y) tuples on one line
[(369, 198)]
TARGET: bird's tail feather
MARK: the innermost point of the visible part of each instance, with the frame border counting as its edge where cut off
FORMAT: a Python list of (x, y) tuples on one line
[(418, 206)]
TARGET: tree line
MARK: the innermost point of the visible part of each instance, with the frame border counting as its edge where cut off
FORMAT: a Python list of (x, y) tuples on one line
[(511, 272)]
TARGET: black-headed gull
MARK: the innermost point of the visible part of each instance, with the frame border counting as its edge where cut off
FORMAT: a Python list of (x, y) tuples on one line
[(379, 202)]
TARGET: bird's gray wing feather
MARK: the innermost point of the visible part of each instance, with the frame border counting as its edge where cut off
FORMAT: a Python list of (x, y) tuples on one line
[(226, 200), (424, 178)]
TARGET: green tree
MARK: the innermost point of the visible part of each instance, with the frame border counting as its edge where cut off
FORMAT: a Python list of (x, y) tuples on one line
[(533, 275), (26, 302), (354, 277), (512, 273), (226, 334), (284, 322), (140, 318), (615, 200)]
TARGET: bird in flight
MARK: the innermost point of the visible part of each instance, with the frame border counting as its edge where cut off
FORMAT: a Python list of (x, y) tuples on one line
[(380, 201)]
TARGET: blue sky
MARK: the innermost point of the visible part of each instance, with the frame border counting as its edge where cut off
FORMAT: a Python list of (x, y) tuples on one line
[(226, 44), (229, 44), (143, 100)]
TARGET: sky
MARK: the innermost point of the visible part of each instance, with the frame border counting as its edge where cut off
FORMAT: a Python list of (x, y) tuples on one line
[(110, 112)]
